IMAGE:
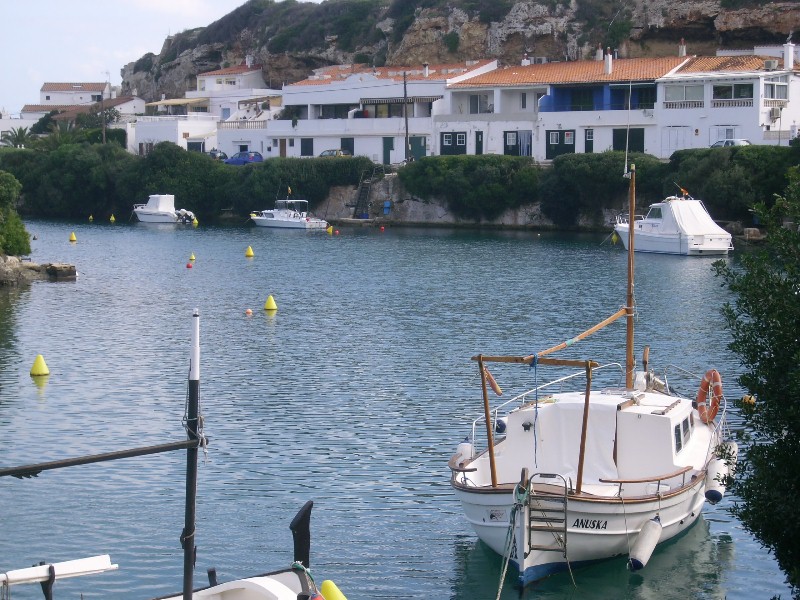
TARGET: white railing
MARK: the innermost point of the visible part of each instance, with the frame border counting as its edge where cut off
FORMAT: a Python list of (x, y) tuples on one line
[(685, 104), (772, 103), (740, 103), (242, 125), (189, 117)]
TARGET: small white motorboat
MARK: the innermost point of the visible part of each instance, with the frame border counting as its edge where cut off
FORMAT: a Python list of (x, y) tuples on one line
[(160, 208), (604, 461), (288, 214), (677, 225)]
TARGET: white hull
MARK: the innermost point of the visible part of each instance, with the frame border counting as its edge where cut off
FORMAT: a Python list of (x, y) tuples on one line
[(686, 245), (160, 208), (278, 223), (596, 530), (150, 217)]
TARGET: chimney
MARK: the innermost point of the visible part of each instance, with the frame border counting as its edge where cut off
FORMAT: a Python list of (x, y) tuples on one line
[(598, 55), (425, 67), (248, 60), (607, 66), (788, 56), (682, 48), (525, 60)]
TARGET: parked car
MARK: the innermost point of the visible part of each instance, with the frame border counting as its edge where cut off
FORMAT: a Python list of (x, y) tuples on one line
[(722, 143), (244, 158), (217, 154), (335, 152)]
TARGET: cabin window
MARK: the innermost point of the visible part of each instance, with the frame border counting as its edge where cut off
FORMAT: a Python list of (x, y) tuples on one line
[(686, 429), (655, 213), (678, 439)]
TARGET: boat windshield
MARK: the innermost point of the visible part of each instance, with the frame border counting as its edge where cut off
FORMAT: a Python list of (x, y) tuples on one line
[(655, 213), (298, 205)]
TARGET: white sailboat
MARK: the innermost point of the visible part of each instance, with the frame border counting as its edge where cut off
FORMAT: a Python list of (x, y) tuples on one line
[(575, 471)]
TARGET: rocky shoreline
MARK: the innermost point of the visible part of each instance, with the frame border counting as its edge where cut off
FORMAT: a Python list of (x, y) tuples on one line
[(15, 271)]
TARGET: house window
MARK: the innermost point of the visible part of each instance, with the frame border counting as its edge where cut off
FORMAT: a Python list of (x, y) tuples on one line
[(96, 97), (569, 137), (736, 91), (590, 135), (554, 138), (582, 99), (47, 97), (447, 139), (523, 100), (511, 138), (291, 142), (681, 93), (776, 88), (274, 141), (306, 146), (647, 97), (461, 139), (478, 103)]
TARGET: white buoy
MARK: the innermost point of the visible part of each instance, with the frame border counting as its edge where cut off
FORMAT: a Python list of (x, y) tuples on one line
[(645, 543), (718, 470)]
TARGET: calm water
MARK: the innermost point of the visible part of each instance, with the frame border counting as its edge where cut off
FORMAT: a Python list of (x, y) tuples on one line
[(354, 394)]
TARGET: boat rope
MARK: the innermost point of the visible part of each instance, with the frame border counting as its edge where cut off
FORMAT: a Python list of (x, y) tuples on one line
[(535, 367), (201, 438), (520, 498), (298, 566)]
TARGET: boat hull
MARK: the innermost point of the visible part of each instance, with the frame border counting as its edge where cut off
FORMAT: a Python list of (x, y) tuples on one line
[(155, 217), (597, 528), (685, 245), (277, 223)]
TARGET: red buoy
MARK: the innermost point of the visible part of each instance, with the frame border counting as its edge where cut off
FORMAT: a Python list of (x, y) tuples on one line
[(381, 227), (188, 265)]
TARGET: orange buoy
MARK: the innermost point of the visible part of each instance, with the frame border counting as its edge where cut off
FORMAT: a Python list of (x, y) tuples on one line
[(492, 382), (248, 312)]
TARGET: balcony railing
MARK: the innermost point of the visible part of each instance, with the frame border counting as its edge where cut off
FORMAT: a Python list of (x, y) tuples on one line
[(732, 103), (243, 124), (775, 103), (569, 107), (684, 104)]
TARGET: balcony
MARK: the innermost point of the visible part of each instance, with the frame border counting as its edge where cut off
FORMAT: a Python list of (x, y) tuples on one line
[(732, 103), (681, 104)]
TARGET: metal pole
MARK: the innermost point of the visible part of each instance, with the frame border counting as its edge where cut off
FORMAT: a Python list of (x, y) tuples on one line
[(405, 111), (187, 538)]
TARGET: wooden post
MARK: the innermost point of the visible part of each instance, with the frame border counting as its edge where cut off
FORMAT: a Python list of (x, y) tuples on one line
[(488, 416), (584, 427)]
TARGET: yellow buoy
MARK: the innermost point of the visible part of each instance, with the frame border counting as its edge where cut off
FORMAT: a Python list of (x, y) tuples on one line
[(270, 304), (195, 222), (249, 252), (72, 237), (39, 367), (91, 218), (330, 591), (329, 229), (192, 256), (614, 238)]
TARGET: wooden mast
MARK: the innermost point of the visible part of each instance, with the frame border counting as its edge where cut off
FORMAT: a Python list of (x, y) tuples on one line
[(629, 364)]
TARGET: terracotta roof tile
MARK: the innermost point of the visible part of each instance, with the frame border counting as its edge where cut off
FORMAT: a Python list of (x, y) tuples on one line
[(237, 70), (716, 64), (327, 75), (73, 87), (584, 71)]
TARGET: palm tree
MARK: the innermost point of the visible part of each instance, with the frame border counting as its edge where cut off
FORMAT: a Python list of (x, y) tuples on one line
[(17, 138)]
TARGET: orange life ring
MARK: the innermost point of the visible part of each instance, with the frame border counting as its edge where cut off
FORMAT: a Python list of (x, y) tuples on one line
[(712, 381)]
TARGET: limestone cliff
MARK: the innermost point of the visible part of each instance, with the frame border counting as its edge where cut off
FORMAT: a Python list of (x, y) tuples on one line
[(290, 39)]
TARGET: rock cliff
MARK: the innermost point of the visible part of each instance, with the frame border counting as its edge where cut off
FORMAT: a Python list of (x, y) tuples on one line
[(291, 39)]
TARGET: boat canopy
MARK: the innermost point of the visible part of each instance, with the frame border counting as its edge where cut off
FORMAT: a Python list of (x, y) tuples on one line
[(298, 205), (688, 216), (161, 202)]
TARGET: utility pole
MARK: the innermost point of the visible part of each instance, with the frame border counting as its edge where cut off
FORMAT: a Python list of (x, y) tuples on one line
[(405, 111), (102, 105)]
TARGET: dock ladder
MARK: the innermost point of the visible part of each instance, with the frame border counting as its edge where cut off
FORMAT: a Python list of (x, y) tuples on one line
[(361, 210), (547, 514)]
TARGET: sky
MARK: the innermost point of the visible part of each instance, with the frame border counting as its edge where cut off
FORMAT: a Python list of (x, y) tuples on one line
[(72, 41)]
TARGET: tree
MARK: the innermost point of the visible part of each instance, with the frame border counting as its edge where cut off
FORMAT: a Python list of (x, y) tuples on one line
[(18, 138), (764, 320), (14, 240)]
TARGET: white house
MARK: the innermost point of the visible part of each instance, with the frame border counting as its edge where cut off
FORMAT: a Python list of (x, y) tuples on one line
[(233, 93), (652, 105), (368, 111)]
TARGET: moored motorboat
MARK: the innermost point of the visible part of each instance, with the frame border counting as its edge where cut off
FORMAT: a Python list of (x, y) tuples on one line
[(288, 214), (676, 225), (160, 208), (604, 461)]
